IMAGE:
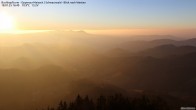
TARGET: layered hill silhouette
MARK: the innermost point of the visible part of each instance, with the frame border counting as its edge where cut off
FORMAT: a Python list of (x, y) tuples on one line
[(34, 75), (136, 46)]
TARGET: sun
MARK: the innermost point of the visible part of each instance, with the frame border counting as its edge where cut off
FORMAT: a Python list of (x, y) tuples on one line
[(6, 22)]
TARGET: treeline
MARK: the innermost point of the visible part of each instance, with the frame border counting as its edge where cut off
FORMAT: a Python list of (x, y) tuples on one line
[(115, 102)]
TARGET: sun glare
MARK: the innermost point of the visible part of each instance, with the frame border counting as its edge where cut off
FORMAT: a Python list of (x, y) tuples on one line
[(6, 22)]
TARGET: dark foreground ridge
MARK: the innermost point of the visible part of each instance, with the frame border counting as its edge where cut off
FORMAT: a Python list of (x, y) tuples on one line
[(114, 102)]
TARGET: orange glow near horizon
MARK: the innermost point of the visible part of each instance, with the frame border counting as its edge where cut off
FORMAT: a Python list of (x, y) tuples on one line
[(8, 26), (115, 32), (125, 32)]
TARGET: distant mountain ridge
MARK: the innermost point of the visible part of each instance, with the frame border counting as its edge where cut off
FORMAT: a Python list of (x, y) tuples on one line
[(168, 50), (136, 46)]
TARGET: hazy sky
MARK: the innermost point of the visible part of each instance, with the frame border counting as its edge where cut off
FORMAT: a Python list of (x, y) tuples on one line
[(109, 14)]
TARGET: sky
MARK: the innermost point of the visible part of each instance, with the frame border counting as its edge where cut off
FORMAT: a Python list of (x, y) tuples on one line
[(152, 15)]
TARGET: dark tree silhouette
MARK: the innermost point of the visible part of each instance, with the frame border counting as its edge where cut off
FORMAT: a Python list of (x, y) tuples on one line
[(62, 106), (101, 103), (115, 102)]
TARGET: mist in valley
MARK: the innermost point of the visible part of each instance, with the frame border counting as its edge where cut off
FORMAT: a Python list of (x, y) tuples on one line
[(40, 69)]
